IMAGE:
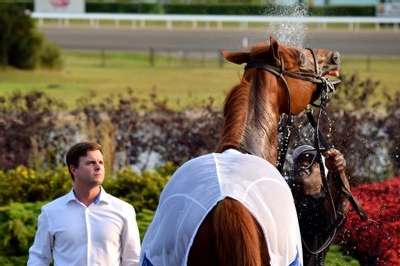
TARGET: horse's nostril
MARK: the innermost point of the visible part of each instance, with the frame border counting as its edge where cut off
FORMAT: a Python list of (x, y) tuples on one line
[(335, 59)]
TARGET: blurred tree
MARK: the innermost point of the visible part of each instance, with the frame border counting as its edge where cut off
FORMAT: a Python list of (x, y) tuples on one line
[(21, 45)]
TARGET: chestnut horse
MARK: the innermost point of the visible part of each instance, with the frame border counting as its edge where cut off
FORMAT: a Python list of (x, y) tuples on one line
[(276, 80)]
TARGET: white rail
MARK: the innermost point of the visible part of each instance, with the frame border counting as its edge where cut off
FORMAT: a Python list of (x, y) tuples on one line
[(94, 19)]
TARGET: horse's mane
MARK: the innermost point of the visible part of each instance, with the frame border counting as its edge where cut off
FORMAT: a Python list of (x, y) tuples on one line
[(245, 104), (235, 113)]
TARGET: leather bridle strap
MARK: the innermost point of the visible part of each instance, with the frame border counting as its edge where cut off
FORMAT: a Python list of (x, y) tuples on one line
[(280, 72)]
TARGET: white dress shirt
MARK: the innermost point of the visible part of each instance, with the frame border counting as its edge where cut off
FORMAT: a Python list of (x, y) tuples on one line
[(73, 234)]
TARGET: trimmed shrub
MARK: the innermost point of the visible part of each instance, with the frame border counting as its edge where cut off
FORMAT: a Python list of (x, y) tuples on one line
[(377, 240), (50, 56), (34, 131)]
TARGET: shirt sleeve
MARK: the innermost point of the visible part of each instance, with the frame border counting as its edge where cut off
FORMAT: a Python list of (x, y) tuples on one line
[(130, 241), (40, 253)]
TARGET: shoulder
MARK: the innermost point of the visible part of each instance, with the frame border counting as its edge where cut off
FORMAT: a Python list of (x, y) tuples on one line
[(120, 205), (56, 204)]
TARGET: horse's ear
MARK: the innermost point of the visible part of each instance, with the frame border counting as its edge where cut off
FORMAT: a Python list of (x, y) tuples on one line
[(273, 52), (236, 57)]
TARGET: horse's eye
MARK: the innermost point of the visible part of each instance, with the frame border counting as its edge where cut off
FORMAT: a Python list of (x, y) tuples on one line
[(302, 59), (335, 59)]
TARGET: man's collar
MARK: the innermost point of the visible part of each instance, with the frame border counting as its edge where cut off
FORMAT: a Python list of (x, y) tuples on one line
[(103, 196)]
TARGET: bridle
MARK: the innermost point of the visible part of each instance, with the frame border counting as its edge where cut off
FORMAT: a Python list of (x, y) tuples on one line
[(324, 88)]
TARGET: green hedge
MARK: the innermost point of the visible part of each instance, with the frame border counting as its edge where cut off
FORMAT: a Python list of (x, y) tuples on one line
[(24, 5), (343, 11), (28, 185), (225, 9)]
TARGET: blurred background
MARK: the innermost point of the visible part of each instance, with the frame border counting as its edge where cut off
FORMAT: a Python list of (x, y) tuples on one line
[(146, 79)]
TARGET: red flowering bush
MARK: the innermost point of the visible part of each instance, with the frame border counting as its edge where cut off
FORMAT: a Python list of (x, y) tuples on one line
[(377, 240)]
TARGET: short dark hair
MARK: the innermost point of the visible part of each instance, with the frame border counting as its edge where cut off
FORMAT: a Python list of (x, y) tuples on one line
[(79, 150)]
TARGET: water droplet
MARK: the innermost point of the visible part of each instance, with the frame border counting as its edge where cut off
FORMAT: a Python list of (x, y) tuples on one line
[(291, 34)]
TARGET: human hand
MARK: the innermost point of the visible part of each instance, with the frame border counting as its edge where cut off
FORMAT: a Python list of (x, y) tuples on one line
[(335, 161)]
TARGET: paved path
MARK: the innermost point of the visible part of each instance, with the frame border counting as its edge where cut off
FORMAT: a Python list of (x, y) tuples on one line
[(357, 43)]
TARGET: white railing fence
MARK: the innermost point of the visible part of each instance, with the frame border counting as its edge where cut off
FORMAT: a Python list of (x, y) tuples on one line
[(141, 20)]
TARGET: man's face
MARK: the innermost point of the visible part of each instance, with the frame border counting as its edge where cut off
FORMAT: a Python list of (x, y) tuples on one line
[(90, 171)]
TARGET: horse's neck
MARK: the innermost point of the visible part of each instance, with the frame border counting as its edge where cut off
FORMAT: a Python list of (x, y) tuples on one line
[(251, 120), (261, 133)]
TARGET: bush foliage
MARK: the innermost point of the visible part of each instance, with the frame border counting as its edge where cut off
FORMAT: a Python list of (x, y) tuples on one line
[(225, 8), (35, 130), (377, 240), (21, 45), (28, 185)]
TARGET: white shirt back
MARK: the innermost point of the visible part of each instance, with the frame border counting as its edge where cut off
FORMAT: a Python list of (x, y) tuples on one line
[(103, 233), (198, 185)]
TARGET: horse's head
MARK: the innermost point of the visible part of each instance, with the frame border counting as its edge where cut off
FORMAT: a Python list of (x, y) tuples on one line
[(298, 72)]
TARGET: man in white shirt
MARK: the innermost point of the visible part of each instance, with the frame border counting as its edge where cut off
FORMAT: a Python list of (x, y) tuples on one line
[(87, 226)]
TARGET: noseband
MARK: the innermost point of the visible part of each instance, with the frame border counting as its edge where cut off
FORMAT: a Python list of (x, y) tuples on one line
[(316, 77)]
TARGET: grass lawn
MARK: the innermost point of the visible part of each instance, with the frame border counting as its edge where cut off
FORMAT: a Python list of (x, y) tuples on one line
[(183, 81)]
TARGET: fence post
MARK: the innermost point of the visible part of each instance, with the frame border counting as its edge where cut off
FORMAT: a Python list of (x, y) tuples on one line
[(169, 24), (103, 58), (184, 58), (245, 42), (151, 57), (244, 25), (221, 59), (219, 25)]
